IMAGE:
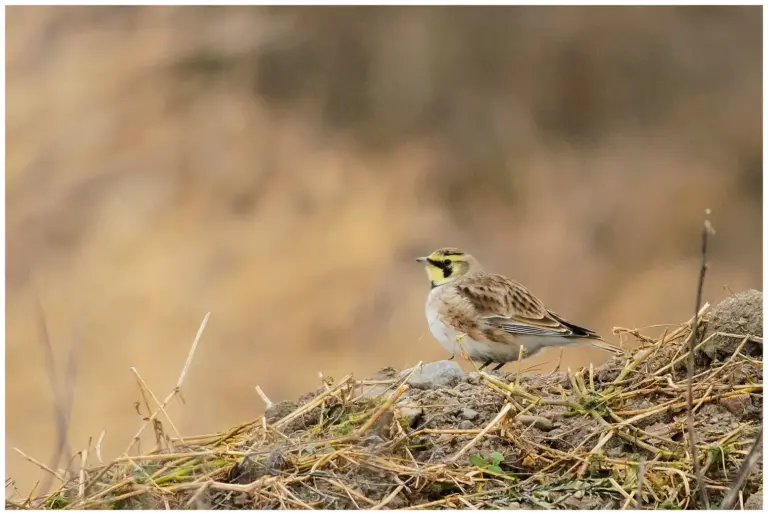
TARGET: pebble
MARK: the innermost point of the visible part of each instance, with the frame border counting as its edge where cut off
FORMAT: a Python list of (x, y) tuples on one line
[(435, 375), (469, 413), (466, 424), (736, 404)]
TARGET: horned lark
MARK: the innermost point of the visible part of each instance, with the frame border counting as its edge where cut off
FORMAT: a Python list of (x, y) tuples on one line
[(488, 316)]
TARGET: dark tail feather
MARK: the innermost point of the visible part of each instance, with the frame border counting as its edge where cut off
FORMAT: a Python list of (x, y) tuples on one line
[(593, 338)]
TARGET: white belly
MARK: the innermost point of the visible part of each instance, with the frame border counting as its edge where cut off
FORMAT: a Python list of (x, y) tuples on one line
[(480, 350)]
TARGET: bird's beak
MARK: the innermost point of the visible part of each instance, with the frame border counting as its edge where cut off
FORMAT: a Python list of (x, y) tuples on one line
[(421, 259)]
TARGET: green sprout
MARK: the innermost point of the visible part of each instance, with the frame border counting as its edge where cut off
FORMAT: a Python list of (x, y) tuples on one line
[(492, 466)]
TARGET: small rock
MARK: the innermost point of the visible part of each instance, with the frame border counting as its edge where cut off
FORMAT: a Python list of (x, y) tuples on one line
[(537, 422), (435, 375), (276, 460), (741, 313), (279, 410), (513, 506), (737, 404), (466, 424), (469, 413), (754, 501), (412, 415)]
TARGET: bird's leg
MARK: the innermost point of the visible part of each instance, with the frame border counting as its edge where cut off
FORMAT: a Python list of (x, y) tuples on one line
[(498, 366), (486, 364), (464, 355)]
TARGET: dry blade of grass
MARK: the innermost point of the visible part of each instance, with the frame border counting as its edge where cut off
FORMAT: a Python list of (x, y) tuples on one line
[(63, 394), (177, 388)]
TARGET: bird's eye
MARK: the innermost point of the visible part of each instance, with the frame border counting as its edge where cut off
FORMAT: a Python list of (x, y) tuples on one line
[(447, 262)]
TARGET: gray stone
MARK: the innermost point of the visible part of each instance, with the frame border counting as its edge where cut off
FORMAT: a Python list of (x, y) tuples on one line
[(469, 413), (466, 424), (754, 502), (435, 375)]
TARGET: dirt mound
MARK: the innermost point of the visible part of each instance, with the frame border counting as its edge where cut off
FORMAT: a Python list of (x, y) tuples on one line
[(609, 437)]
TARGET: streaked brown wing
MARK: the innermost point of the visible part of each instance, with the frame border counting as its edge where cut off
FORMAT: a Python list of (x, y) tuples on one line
[(507, 305)]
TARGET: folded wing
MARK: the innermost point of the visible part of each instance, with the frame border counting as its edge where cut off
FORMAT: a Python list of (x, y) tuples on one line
[(503, 304)]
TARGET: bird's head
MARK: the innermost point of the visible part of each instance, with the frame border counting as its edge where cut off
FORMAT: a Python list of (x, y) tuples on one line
[(447, 265)]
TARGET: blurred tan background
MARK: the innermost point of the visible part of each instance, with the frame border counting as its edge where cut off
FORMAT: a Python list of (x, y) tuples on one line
[(281, 167)]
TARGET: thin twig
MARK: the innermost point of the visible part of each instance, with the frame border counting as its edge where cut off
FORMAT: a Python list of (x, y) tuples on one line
[(692, 364)]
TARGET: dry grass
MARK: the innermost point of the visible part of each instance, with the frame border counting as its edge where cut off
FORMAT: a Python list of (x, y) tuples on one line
[(612, 437)]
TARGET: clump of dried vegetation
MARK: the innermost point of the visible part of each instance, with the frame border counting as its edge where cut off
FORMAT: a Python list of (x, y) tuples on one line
[(608, 437)]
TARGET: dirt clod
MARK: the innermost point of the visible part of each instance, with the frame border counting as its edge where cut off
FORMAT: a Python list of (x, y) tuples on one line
[(737, 404), (739, 314)]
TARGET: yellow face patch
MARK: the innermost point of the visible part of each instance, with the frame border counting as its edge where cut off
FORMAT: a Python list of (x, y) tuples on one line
[(441, 267), (435, 274)]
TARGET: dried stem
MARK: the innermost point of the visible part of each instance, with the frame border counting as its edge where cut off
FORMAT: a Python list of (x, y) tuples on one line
[(692, 364)]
